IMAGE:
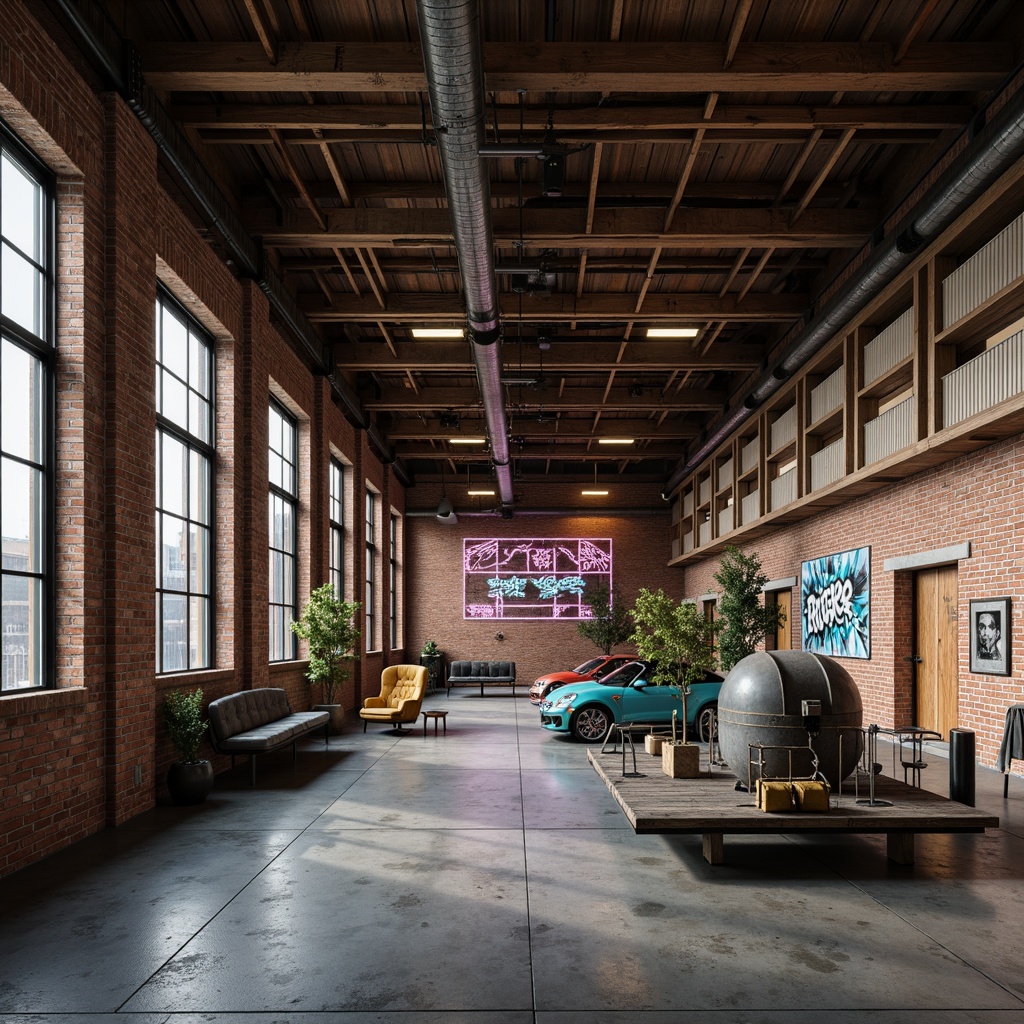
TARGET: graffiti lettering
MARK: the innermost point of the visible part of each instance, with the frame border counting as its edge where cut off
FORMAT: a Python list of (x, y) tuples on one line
[(832, 607), (513, 586), (551, 586)]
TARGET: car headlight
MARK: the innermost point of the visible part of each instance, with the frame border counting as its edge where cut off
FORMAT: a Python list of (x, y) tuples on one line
[(563, 699)]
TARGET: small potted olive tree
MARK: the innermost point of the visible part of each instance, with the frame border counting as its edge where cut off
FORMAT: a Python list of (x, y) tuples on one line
[(190, 778), (680, 642), (328, 626)]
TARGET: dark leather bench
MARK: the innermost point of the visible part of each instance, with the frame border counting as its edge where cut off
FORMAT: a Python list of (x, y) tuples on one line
[(482, 673), (257, 721)]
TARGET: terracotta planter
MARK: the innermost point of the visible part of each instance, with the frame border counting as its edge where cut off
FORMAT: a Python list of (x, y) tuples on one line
[(337, 713), (680, 760), (189, 782)]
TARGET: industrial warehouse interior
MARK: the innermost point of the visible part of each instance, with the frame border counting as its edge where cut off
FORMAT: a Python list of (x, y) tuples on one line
[(471, 322)]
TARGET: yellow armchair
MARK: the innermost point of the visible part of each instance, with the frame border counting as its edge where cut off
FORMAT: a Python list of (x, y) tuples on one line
[(401, 696)]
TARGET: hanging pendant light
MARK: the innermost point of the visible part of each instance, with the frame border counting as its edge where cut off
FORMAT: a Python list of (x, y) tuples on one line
[(445, 511)]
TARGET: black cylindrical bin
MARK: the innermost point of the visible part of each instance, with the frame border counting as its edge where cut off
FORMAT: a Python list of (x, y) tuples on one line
[(961, 766)]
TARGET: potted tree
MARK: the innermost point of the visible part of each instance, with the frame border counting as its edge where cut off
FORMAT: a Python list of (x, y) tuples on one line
[(432, 658), (609, 624), (747, 620), (190, 778), (680, 642), (328, 625)]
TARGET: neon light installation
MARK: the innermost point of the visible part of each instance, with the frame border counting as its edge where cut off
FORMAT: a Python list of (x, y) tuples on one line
[(539, 578)]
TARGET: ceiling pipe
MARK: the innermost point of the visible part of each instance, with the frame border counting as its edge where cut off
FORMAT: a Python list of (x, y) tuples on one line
[(116, 60), (450, 36), (993, 150)]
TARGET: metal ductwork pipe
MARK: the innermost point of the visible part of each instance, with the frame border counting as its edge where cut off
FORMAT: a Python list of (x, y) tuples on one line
[(450, 36), (994, 150)]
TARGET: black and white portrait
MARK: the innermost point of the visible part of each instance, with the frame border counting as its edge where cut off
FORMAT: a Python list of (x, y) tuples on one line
[(990, 636)]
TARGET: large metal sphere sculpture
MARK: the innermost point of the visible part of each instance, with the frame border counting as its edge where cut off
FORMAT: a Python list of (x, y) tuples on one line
[(761, 703)]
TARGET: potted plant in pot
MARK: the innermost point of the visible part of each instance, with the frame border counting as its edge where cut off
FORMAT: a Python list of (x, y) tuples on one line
[(432, 658), (190, 778), (680, 642), (328, 625)]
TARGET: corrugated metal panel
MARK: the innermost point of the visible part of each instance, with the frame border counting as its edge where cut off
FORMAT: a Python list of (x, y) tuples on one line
[(705, 533), (784, 429), (827, 466), (748, 456), (749, 508), (986, 380), (725, 475), (889, 347), (688, 503), (828, 395), (675, 547), (989, 270), (784, 489), (705, 491), (725, 520), (687, 542), (890, 432)]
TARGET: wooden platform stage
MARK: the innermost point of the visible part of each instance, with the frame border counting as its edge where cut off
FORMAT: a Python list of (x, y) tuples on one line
[(711, 806)]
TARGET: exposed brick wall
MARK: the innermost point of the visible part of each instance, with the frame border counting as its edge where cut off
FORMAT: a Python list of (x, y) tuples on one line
[(434, 568), (976, 499), (68, 757)]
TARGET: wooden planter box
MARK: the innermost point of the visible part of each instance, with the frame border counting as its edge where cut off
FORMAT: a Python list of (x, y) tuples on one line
[(654, 744), (680, 760)]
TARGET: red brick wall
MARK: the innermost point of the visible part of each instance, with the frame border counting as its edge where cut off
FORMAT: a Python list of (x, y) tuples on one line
[(69, 757), (434, 565), (976, 499)]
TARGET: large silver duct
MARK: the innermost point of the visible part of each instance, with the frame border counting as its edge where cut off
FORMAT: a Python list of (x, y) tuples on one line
[(450, 36), (994, 149)]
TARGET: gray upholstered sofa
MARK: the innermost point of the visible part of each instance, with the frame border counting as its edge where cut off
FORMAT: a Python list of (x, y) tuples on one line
[(256, 721), (482, 673)]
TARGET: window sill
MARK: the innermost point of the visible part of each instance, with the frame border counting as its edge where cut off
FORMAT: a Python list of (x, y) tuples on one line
[(197, 677)]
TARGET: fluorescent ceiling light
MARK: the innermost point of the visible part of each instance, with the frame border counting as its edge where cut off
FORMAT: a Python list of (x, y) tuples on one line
[(594, 494), (672, 332), (615, 440), (467, 440), (438, 332), (480, 494)]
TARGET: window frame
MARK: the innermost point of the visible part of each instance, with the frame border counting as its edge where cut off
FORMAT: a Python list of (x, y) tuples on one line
[(393, 564), (370, 568), (42, 347), (336, 526), (291, 498), (166, 427)]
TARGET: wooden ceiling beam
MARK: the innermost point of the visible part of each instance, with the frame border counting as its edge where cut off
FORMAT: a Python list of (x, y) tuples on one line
[(583, 356), (378, 118), (560, 308), (561, 229), (578, 400), (554, 445), (640, 428), (661, 67)]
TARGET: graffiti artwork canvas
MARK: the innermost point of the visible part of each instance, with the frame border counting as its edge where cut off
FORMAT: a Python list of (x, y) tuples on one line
[(835, 602), (538, 578)]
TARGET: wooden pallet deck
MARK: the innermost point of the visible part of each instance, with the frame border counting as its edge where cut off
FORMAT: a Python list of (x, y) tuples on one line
[(711, 807)]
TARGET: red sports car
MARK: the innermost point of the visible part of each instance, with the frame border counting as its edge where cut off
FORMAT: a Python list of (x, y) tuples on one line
[(595, 668)]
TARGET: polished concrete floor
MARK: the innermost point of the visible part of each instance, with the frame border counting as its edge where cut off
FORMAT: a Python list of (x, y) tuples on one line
[(487, 877)]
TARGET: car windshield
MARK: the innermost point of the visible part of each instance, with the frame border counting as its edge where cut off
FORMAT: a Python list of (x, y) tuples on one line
[(625, 675), (587, 666)]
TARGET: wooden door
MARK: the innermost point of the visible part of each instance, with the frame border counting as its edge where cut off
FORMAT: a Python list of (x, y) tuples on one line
[(784, 634), (936, 633)]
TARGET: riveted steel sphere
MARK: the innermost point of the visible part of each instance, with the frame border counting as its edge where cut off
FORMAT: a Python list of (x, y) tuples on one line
[(760, 703)]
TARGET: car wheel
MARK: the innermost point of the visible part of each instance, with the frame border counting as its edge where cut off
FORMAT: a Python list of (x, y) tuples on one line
[(590, 724), (705, 717)]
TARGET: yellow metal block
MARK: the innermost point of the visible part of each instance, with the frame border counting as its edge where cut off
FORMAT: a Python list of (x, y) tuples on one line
[(811, 795), (774, 795)]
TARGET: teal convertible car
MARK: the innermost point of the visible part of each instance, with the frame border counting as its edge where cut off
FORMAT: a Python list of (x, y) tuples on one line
[(586, 710)]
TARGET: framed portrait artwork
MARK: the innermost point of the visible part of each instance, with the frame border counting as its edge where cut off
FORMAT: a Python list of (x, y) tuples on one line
[(990, 636)]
